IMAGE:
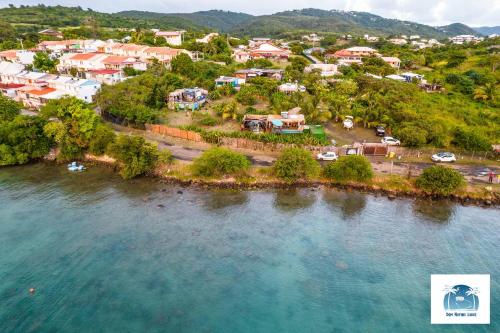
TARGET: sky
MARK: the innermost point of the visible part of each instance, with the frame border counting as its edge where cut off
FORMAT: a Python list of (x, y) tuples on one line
[(432, 12)]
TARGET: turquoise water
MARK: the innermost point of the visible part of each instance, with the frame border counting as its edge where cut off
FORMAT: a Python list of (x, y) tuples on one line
[(106, 255)]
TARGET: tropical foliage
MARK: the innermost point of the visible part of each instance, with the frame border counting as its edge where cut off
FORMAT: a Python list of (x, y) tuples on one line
[(219, 162), (349, 168), (135, 155), (295, 164), (440, 180)]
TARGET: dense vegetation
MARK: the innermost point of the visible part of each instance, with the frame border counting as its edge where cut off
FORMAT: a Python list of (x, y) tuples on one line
[(349, 168), (220, 161), (440, 180), (135, 155), (296, 164), (78, 130), (21, 137)]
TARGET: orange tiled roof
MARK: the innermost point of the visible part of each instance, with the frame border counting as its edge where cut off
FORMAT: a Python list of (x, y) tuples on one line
[(40, 92), (8, 54), (83, 56), (116, 59), (163, 50)]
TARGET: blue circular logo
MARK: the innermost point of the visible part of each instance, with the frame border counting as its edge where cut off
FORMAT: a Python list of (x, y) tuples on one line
[(461, 298)]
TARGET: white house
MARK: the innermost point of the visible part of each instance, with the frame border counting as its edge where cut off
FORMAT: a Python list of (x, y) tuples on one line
[(462, 39), (172, 37), (207, 38), (325, 70)]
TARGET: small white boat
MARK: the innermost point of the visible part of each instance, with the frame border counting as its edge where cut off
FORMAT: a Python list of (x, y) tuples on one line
[(348, 122), (75, 167)]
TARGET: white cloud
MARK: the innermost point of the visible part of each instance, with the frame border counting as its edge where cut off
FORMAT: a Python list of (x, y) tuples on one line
[(433, 12)]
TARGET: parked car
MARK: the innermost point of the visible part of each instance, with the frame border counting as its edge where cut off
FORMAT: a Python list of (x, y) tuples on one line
[(348, 122), (389, 140), (328, 156), (380, 130), (444, 157)]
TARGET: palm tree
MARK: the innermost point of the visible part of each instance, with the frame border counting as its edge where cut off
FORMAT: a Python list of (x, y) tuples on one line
[(450, 290), (474, 292)]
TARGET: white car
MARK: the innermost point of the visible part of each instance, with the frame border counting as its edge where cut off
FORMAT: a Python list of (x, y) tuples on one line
[(328, 156), (389, 140), (444, 157)]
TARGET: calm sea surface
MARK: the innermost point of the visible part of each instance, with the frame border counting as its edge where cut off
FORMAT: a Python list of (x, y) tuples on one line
[(107, 255)]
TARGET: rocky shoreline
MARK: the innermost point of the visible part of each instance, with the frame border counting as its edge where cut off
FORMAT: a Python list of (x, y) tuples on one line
[(478, 199)]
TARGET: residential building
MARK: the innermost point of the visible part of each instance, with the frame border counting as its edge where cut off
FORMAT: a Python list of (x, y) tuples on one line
[(463, 39), (290, 88), (121, 62), (393, 61), (325, 70), (353, 55), (241, 55), (207, 38), (284, 123), (81, 61), (172, 37), (251, 73), (105, 76), (229, 81), (189, 99), (51, 33), (314, 38), (398, 41), (256, 42), (267, 51), (371, 39)]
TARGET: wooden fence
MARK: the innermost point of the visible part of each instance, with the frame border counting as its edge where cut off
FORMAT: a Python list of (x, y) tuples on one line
[(174, 132)]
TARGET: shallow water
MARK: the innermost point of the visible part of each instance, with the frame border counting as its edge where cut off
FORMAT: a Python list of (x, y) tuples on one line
[(107, 255)]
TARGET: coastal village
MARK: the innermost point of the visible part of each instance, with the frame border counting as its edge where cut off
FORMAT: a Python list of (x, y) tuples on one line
[(290, 70)]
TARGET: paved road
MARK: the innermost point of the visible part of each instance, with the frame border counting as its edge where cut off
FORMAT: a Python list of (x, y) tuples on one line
[(188, 151)]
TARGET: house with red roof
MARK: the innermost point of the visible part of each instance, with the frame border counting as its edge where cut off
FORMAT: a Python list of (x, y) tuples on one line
[(268, 51), (106, 76), (121, 62), (81, 61), (353, 55)]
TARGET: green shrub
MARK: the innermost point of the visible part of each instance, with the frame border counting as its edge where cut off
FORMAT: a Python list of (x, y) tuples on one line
[(103, 136), (247, 95), (135, 155), (412, 136), (349, 168), (471, 140), (439, 179), (220, 161), (295, 164), (9, 108)]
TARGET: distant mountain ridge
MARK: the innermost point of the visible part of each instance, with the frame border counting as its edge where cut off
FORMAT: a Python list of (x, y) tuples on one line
[(488, 30), (282, 24), (309, 20)]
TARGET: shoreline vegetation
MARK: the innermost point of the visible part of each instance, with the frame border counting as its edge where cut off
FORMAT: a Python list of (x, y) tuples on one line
[(392, 187)]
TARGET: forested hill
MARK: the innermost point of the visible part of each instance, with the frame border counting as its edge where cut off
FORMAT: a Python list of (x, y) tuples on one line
[(215, 19), (279, 24), (341, 21), (34, 17), (488, 30)]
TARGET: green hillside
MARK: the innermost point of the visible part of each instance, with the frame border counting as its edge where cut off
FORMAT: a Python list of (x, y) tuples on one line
[(26, 18), (341, 22), (34, 17), (214, 19)]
